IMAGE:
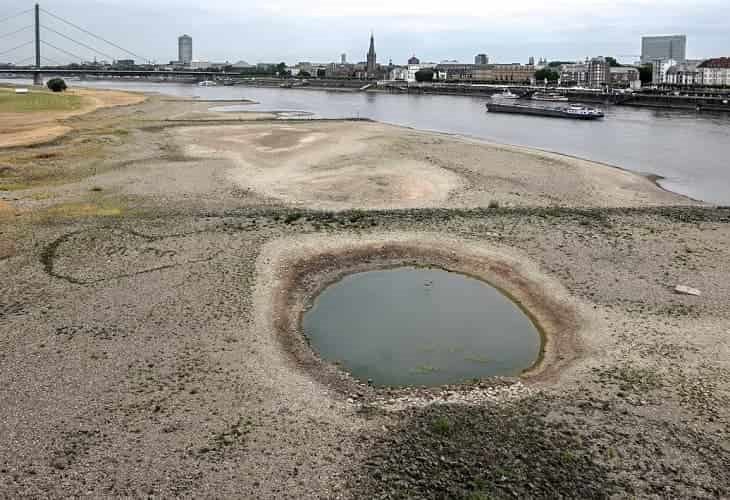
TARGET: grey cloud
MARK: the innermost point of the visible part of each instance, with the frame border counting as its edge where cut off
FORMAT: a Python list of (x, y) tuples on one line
[(227, 32)]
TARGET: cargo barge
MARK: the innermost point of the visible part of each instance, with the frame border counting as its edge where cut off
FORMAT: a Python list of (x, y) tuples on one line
[(576, 112)]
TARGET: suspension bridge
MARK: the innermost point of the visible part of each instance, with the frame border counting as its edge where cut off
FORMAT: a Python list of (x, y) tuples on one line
[(32, 41)]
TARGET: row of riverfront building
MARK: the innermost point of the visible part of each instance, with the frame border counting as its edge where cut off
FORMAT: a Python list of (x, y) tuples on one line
[(665, 53)]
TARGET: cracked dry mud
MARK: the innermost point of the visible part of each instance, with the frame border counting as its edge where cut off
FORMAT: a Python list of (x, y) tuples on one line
[(138, 356)]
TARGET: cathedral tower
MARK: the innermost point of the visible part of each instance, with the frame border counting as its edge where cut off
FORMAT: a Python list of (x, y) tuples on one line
[(371, 58)]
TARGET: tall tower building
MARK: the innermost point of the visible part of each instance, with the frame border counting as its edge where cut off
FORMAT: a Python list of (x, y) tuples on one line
[(481, 59), (371, 57), (185, 49), (664, 47), (343, 59)]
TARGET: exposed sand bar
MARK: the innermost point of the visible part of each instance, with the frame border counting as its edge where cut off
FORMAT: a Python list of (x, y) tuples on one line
[(374, 166)]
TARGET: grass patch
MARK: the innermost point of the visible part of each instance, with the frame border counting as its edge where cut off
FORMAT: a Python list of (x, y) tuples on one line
[(441, 425), (14, 186), (37, 102), (31, 168), (83, 210)]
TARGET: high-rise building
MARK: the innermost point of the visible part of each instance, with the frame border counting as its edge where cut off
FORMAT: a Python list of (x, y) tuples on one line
[(531, 61), (599, 72), (371, 57), (185, 49), (481, 59), (343, 58), (664, 47)]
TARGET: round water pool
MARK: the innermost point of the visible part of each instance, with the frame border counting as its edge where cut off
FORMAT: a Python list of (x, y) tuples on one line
[(416, 326)]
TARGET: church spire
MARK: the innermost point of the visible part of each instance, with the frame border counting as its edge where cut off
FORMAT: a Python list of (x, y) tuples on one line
[(371, 56)]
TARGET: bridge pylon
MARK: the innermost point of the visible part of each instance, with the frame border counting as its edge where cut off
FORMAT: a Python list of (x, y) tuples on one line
[(37, 77)]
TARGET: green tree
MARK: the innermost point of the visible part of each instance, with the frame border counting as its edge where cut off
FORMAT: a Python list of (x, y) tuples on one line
[(646, 72), (612, 62), (555, 64), (281, 69), (304, 74), (424, 75), (550, 74), (56, 84)]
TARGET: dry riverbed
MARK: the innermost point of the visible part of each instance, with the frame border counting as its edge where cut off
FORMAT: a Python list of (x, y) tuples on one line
[(153, 260)]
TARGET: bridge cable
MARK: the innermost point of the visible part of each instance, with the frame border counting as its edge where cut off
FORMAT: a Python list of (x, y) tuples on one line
[(79, 43), (56, 63), (15, 32), (31, 58), (15, 15), (20, 63), (14, 48), (96, 36), (75, 56)]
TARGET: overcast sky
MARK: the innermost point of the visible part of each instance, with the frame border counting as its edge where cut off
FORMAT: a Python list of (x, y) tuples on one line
[(320, 30)]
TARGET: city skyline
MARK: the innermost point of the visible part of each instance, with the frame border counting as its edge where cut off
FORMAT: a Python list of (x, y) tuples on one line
[(285, 31)]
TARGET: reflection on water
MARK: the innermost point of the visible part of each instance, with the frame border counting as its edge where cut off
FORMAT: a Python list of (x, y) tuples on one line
[(689, 149), (411, 326)]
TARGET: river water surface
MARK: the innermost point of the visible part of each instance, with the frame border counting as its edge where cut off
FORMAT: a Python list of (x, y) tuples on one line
[(690, 150)]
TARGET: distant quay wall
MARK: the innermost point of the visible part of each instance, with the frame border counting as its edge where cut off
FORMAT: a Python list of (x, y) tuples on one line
[(716, 102)]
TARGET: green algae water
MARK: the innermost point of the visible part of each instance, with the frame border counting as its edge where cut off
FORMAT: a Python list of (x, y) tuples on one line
[(414, 326)]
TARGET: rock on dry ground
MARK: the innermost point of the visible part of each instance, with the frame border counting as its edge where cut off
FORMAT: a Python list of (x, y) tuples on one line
[(131, 365)]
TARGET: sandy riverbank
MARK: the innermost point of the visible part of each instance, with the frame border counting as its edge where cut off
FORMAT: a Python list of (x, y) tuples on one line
[(30, 128), (141, 342)]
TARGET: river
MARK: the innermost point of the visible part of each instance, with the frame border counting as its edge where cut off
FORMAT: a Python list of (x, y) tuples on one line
[(691, 151)]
